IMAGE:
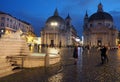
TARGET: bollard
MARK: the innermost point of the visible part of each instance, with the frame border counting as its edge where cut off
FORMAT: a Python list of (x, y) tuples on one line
[(47, 60), (22, 62)]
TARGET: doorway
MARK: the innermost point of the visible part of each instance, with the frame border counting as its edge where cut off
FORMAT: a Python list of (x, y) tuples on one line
[(99, 43), (52, 43)]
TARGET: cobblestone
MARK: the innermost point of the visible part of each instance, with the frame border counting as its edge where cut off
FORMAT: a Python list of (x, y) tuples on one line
[(88, 69)]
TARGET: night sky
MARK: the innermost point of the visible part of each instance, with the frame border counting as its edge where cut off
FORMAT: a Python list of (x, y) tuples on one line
[(36, 12)]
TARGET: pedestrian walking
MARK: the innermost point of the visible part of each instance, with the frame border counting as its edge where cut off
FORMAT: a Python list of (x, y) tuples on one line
[(104, 57), (75, 55), (88, 49)]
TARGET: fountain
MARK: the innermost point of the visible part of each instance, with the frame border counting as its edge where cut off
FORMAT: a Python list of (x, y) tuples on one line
[(14, 52), (11, 45), (49, 57)]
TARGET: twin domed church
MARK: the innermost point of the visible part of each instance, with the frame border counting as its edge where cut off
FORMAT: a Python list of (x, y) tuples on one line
[(98, 29)]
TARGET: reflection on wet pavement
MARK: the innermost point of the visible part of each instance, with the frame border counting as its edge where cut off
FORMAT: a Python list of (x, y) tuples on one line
[(88, 69), (57, 78)]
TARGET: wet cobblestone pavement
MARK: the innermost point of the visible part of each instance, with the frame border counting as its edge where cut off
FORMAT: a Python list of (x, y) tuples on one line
[(88, 69)]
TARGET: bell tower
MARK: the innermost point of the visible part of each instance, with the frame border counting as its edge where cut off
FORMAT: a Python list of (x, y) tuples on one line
[(86, 20), (68, 20)]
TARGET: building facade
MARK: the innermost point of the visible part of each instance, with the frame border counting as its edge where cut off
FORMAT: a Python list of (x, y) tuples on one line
[(9, 24), (58, 32), (99, 29), (118, 40)]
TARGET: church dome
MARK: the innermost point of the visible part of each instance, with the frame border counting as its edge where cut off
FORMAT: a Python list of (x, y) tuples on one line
[(100, 16), (58, 19), (55, 18)]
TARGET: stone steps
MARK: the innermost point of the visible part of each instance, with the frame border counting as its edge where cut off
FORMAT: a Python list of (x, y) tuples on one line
[(7, 65), (11, 45), (4, 66)]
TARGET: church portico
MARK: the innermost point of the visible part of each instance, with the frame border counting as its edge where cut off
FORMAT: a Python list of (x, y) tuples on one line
[(58, 32)]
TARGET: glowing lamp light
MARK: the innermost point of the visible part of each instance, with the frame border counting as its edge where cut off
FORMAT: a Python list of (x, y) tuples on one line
[(2, 31), (77, 39), (54, 23)]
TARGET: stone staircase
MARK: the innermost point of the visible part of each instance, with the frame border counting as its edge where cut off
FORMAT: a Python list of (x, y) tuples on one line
[(11, 45), (5, 66)]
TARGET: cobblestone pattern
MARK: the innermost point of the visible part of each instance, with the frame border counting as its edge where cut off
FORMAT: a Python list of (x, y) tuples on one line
[(88, 69)]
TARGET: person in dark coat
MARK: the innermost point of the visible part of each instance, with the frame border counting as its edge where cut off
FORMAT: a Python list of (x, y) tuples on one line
[(75, 54), (104, 57)]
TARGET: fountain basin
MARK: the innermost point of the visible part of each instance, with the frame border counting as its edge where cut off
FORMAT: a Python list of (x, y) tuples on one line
[(38, 54), (37, 60)]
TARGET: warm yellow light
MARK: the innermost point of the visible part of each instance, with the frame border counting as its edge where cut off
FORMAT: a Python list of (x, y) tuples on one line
[(117, 40), (54, 23), (7, 32), (29, 39)]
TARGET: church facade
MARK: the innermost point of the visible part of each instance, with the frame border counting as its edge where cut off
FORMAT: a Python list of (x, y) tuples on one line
[(58, 32), (99, 29)]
